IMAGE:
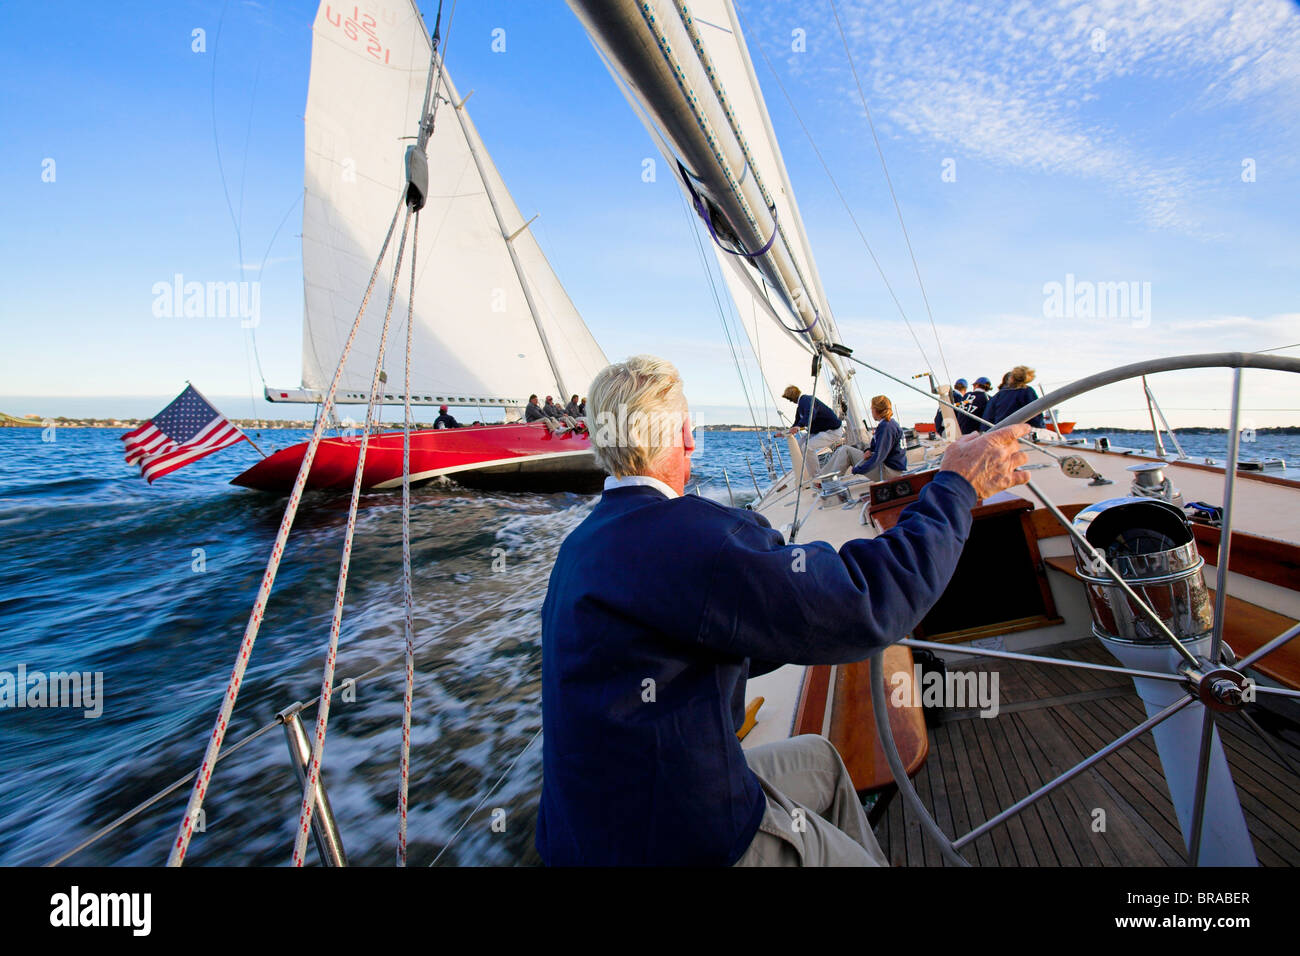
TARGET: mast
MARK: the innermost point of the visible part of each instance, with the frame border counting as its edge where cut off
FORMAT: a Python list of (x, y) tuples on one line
[(508, 237)]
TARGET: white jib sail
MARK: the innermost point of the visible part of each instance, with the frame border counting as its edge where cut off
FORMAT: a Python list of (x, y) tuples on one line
[(476, 339)]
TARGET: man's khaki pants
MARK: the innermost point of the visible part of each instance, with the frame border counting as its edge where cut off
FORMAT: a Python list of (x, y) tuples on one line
[(813, 816), (847, 456), (822, 440)]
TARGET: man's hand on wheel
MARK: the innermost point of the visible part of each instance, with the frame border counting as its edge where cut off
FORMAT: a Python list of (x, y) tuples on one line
[(989, 460)]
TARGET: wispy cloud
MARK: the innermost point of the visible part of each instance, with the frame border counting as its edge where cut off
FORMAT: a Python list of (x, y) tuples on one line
[(1065, 87), (273, 261)]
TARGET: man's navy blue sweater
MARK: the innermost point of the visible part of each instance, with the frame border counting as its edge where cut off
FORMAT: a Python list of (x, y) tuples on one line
[(823, 419), (658, 610)]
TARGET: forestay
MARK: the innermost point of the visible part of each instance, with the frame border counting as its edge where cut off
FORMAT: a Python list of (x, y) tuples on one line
[(476, 339)]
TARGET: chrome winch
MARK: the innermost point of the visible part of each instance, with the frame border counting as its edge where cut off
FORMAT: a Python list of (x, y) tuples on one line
[(1150, 481)]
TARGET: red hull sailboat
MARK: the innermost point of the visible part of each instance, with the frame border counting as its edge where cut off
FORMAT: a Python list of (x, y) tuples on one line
[(500, 457), (485, 319)]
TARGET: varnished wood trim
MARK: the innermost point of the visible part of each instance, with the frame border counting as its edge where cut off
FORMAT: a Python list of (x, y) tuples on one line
[(993, 630), (1265, 559), (811, 712)]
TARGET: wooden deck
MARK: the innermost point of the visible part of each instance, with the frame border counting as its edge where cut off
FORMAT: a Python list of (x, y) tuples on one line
[(1050, 718)]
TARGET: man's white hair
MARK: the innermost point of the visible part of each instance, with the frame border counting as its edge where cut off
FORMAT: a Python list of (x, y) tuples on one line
[(637, 406)]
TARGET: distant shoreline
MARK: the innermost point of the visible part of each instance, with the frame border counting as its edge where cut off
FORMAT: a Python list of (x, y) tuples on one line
[(1092, 429), (277, 424)]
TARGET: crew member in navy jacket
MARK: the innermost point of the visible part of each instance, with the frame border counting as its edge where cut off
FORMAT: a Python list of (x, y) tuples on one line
[(887, 458), (977, 403), (444, 419), (884, 457), (1015, 395), (824, 426), (661, 605)]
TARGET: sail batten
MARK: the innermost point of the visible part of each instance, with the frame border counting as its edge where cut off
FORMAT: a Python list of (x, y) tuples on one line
[(475, 331)]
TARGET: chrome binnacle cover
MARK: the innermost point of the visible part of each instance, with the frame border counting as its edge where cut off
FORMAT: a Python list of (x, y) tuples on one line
[(1150, 545)]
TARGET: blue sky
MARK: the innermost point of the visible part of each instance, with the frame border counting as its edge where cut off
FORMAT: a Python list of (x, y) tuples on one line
[(1111, 156)]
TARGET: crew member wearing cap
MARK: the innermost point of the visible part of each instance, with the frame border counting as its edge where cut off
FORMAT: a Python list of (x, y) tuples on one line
[(444, 420), (977, 403), (824, 426)]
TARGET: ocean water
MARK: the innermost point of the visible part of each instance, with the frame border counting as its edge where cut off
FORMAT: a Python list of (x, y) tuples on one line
[(151, 587)]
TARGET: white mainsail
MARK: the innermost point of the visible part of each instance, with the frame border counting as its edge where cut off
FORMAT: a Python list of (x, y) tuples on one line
[(483, 319)]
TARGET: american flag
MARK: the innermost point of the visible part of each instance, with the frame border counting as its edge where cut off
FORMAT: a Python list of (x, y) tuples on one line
[(186, 430)]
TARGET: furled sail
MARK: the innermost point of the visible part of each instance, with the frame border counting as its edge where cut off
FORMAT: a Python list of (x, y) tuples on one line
[(686, 69), (485, 319)]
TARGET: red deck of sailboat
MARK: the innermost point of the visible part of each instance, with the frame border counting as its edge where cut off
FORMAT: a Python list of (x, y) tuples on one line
[(508, 456)]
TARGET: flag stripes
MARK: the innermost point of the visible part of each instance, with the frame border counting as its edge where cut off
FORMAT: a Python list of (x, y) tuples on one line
[(185, 431)]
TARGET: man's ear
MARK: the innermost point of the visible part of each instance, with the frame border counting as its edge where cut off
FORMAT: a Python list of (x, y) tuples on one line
[(688, 436)]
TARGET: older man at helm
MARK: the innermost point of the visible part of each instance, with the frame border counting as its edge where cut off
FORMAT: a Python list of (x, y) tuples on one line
[(661, 605)]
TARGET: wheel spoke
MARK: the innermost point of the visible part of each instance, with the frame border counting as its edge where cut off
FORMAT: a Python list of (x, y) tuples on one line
[(1268, 648), (1279, 691), (1074, 771), (1225, 527), (1202, 784), (1263, 735), (1035, 659), (1220, 604)]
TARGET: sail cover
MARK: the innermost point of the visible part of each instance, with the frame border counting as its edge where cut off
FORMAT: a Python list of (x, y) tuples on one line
[(476, 339)]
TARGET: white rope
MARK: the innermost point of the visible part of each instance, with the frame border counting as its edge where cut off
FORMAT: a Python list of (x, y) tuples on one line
[(186, 830), (336, 623), (234, 748), (404, 760)]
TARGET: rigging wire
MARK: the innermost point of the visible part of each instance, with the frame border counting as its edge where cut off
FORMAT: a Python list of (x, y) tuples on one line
[(185, 830), (897, 208), (408, 600), (487, 796), (717, 301), (252, 329)]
